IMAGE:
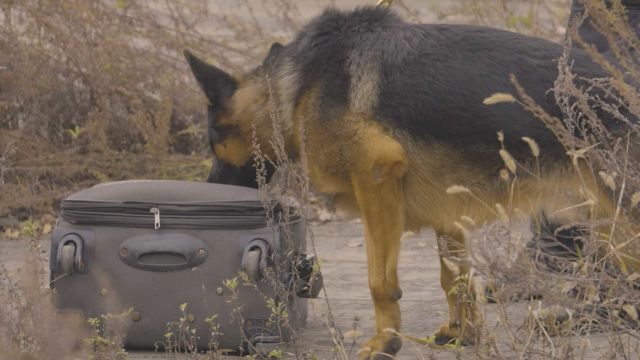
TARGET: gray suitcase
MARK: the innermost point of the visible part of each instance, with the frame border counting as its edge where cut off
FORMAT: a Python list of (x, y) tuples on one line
[(150, 246)]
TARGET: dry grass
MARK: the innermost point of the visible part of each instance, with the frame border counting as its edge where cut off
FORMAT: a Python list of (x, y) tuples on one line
[(86, 83), (598, 290), (29, 318), (114, 100)]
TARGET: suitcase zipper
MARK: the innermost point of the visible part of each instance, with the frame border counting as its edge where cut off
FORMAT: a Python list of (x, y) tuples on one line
[(234, 215), (156, 217)]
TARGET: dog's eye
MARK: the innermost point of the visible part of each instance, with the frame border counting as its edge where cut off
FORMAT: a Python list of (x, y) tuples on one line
[(214, 137)]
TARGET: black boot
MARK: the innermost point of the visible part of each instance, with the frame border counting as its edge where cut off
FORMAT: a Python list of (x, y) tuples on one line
[(554, 245)]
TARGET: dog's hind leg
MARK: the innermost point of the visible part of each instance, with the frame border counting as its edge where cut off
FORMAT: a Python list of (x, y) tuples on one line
[(377, 187), (455, 279)]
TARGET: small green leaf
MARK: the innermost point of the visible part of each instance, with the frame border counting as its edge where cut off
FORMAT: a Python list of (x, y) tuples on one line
[(122, 4)]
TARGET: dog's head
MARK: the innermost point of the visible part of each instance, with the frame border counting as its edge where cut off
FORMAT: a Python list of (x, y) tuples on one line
[(234, 103)]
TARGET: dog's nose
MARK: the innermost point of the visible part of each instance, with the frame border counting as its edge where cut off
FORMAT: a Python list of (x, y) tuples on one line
[(217, 170)]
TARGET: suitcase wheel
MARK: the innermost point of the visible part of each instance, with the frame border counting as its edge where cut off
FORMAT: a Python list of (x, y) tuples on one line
[(67, 258), (261, 338), (252, 264), (254, 259)]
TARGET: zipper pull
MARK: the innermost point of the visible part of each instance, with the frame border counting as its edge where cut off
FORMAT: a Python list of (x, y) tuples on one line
[(156, 217)]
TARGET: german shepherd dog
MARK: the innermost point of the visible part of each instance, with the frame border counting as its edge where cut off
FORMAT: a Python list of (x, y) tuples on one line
[(393, 116)]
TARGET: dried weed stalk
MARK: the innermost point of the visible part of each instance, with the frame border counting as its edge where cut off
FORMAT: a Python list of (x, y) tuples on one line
[(594, 293), (31, 328)]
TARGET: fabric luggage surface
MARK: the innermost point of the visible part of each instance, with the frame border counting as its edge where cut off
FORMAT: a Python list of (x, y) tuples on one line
[(146, 247)]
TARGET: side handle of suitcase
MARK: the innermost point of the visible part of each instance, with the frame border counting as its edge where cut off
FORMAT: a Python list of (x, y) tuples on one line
[(163, 252)]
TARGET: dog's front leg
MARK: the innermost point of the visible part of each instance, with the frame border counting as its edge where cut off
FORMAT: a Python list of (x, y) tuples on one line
[(378, 192)]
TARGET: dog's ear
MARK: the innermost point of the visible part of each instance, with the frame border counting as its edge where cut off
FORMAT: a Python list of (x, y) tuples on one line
[(217, 85), (275, 49)]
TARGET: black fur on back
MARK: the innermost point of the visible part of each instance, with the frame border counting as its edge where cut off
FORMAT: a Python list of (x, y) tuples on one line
[(321, 49), (433, 78)]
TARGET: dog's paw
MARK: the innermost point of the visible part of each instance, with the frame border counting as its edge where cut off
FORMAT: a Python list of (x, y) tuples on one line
[(451, 335), (381, 347), (494, 296), (553, 320)]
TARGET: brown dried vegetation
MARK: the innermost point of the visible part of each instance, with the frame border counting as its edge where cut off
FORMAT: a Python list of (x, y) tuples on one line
[(97, 90)]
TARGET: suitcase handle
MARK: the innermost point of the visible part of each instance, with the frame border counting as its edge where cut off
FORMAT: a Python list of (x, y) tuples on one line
[(163, 252)]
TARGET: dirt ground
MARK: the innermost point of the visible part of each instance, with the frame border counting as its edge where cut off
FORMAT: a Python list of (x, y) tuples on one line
[(339, 245)]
